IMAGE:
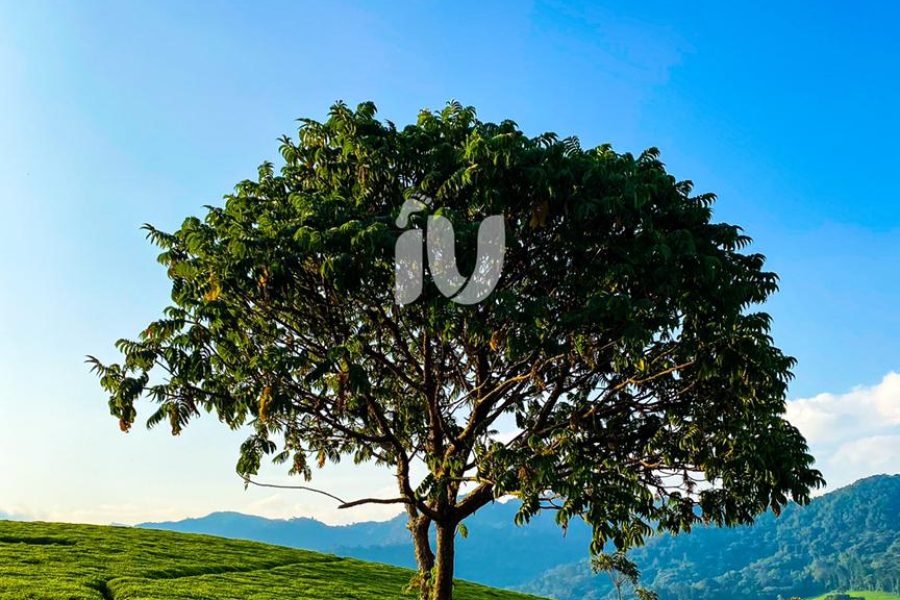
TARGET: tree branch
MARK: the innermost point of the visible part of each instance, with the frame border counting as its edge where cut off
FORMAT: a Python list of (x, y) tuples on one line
[(343, 503), (305, 488)]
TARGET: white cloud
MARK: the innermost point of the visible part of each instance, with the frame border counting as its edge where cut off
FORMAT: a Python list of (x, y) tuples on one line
[(866, 456), (876, 452), (101, 514), (854, 434)]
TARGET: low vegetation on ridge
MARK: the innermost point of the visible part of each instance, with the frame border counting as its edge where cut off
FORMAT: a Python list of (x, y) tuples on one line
[(53, 561)]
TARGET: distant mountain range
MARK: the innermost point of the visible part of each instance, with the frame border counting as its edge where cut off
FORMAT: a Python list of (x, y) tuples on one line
[(849, 538), (495, 549)]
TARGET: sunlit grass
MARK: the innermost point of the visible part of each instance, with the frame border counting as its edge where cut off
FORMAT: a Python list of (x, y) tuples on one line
[(866, 595), (52, 561)]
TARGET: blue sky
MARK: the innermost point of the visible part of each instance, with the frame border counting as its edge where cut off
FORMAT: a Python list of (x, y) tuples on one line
[(116, 114)]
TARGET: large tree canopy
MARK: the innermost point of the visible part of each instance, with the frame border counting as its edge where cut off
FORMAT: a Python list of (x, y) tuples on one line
[(622, 352)]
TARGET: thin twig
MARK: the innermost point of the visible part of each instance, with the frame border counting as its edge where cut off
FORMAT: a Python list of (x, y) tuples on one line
[(249, 481), (343, 503)]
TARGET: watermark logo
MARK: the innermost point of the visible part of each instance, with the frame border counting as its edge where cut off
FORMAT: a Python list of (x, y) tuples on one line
[(439, 242)]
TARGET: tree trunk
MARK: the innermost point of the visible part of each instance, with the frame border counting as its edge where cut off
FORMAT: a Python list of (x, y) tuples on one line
[(442, 581), (418, 527)]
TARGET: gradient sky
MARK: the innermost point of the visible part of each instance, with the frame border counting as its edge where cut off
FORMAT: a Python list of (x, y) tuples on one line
[(116, 114)]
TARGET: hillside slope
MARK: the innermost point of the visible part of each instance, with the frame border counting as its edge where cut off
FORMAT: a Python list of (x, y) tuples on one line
[(51, 561), (496, 552), (847, 538)]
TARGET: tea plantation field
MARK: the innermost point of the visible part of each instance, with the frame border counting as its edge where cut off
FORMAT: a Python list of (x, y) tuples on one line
[(866, 595), (53, 561)]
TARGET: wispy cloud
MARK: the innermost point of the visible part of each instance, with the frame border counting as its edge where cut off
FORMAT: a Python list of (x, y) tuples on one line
[(854, 434)]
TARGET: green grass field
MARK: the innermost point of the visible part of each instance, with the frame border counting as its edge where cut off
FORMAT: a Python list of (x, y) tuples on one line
[(867, 595), (53, 561)]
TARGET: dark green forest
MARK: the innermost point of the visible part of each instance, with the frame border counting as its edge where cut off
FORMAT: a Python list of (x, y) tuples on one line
[(848, 539)]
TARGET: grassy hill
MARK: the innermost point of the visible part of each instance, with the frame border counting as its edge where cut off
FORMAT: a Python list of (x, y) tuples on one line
[(496, 552), (867, 596), (846, 539), (52, 561)]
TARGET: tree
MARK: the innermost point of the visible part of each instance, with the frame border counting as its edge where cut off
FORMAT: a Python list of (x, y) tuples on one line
[(621, 570), (620, 346)]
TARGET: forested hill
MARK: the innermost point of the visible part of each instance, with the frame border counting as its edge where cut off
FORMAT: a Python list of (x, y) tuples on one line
[(849, 538)]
